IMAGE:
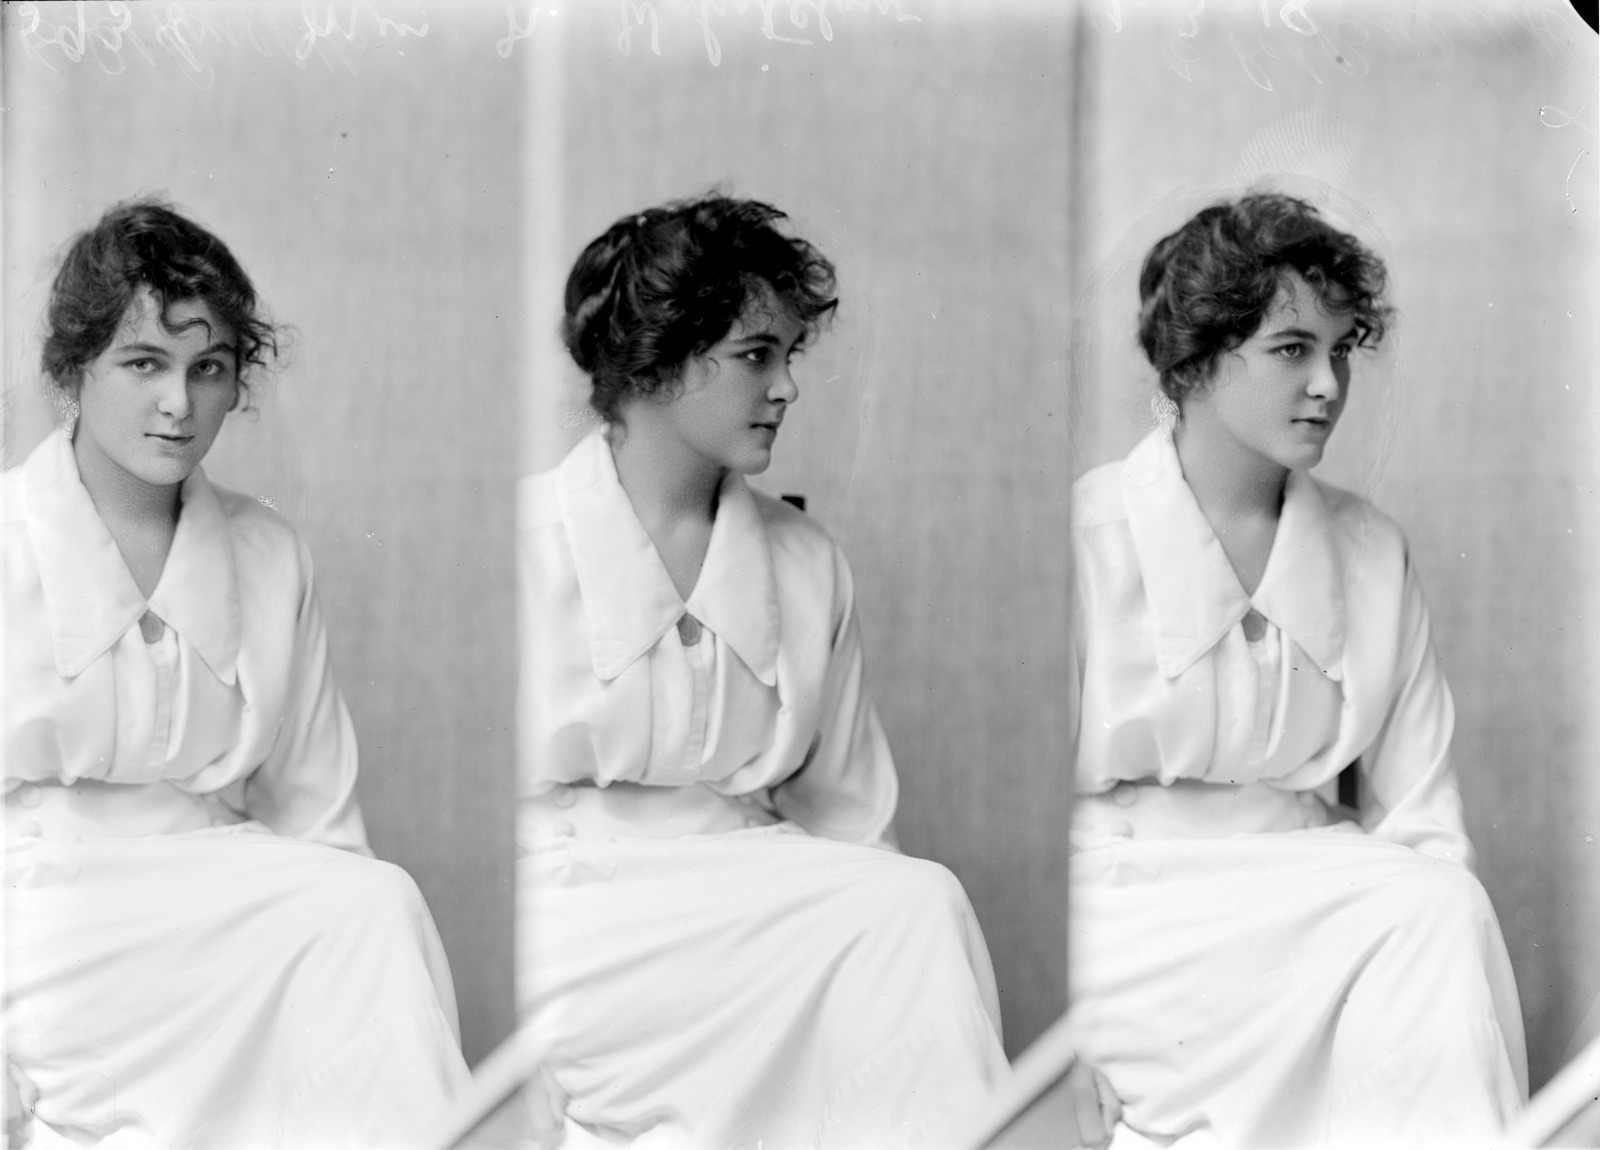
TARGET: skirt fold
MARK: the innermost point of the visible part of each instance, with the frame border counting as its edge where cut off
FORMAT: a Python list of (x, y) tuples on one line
[(227, 988), (760, 987), (1319, 987)]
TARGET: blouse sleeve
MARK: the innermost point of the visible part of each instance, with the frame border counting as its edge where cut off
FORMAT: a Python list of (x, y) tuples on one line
[(1412, 795), (847, 788), (306, 786)]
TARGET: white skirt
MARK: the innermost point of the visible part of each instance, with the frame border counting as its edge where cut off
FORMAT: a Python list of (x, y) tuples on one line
[(226, 987), (758, 987), (1308, 988)]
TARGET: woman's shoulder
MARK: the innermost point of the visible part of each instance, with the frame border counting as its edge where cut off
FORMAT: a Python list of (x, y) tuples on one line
[(11, 483), (1097, 496), (48, 463), (538, 500), (808, 565), (266, 543), (255, 517), (1359, 526), (790, 530), (1101, 495), (586, 467)]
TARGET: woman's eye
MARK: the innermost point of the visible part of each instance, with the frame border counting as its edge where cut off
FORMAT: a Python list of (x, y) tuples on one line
[(1341, 351), (1291, 351), (756, 355), (210, 369), (143, 365)]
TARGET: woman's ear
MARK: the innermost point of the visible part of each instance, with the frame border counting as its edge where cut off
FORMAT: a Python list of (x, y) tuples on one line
[(64, 398)]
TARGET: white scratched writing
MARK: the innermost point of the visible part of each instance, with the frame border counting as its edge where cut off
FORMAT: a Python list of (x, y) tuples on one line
[(182, 35), (507, 42), (101, 37), (109, 34), (1570, 170), (636, 14), (1549, 111), (194, 35), (1552, 116), (1314, 39), (330, 26)]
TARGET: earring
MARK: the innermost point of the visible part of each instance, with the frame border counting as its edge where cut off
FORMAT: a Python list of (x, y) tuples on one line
[(66, 413), (1164, 411)]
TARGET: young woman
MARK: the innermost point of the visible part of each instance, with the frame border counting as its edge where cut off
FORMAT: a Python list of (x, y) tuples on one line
[(1245, 963), (718, 937), (201, 951)]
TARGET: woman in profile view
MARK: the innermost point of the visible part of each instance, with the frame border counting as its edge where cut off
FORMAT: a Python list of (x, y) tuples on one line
[(718, 938), (1245, 963), (201, 951)]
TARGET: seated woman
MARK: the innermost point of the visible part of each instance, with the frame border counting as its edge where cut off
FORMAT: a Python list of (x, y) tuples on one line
[(1244, 963), (717, 936), (201, 952)]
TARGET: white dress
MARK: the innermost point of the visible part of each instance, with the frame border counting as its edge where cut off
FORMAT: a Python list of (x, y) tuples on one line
[(1243, 963), (715, 932), (201, 951)]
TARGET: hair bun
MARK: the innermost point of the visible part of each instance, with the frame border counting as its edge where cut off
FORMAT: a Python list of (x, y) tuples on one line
[(667, 283)]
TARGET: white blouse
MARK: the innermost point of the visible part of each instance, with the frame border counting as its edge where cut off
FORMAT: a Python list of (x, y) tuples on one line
[(1342, 669), (233, 700), (753, 687)]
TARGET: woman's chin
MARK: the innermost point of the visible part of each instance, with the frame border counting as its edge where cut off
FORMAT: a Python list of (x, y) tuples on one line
[(755, 462)]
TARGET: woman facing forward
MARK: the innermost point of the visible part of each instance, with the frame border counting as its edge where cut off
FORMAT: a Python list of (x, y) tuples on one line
[(201, 951), (1243, 962), (717, 935)]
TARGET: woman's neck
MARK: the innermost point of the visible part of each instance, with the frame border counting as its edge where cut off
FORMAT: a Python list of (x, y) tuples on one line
[(120, 496), (666, 483), (1239, 492), (673, 492), (1229, 481), (142, 518)]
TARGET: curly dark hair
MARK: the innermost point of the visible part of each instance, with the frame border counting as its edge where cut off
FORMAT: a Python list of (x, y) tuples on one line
[(144, 243), (1208, 286), (670, 282)]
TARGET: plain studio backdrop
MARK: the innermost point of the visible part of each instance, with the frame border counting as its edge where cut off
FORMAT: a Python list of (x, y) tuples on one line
[(986, 177)]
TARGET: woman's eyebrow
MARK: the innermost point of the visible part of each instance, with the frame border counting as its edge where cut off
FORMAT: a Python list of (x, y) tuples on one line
[(157, 349), (1293, 333)]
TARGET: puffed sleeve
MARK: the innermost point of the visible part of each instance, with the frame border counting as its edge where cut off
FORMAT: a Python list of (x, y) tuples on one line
[(847, 789), (1412, 797), (306, 785)]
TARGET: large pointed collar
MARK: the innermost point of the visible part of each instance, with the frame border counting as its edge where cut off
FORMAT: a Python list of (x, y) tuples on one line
[(1195, 597), (629, 598), (90, 597)]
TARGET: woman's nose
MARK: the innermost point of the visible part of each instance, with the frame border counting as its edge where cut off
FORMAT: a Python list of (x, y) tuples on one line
[(173, 398), (784, 389), (1324, 382)]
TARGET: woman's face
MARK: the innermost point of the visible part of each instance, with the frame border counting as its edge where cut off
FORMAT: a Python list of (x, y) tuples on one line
[(733, 397), (150, 405), (1279, 395)]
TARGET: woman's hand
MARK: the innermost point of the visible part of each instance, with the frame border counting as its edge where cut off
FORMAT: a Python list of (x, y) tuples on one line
[(1093, 1108)]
